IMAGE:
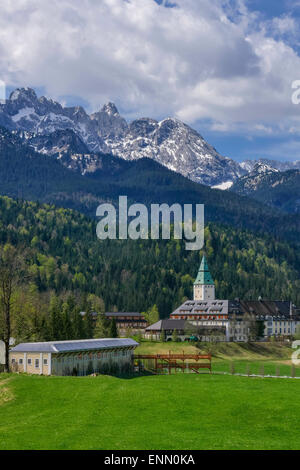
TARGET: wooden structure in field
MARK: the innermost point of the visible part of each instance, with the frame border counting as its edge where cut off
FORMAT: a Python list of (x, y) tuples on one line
[(159, 363)]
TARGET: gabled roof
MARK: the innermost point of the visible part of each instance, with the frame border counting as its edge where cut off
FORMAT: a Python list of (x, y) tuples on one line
[(167, 324), (76, 345), (204, 276), (274, 308)]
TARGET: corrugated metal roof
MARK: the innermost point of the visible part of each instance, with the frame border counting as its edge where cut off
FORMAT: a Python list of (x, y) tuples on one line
[(76, 345)]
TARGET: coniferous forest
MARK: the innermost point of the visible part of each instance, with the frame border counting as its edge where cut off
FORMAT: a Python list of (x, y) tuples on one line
[(69, 270)]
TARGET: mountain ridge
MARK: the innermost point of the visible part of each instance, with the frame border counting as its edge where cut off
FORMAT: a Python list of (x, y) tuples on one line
[(28, 175), (170, 142), (279, 189)]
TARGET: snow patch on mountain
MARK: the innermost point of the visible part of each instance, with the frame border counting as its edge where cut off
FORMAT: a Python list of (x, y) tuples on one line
[(248, 165), (251, 182), (170, 142), (23, 113), (223, 186)]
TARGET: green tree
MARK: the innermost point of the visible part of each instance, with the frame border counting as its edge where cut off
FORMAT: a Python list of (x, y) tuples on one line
[(56, 324), (175, 336), (12, 269), (102, 327), (113, 330), (89, 325), (152, 315)]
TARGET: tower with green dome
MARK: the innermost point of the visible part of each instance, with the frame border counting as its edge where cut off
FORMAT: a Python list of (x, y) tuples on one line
[(204, 286)]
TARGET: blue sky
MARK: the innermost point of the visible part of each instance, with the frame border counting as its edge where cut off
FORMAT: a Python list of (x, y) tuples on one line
[(225, 67)]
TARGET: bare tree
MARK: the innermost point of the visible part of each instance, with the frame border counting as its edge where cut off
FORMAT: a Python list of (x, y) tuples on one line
[(12, 272)]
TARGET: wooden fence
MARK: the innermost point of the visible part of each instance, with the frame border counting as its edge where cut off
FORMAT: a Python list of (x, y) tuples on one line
[(161, 363)]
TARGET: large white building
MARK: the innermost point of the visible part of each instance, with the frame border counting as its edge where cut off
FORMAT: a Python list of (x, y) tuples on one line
[(234, 320)]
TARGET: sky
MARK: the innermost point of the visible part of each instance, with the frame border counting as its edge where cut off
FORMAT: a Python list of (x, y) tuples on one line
[(225, 67)]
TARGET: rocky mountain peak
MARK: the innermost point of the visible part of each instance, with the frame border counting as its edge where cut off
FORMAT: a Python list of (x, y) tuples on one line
[(170, 142), (110, 109), (23, 94), (263, 168)]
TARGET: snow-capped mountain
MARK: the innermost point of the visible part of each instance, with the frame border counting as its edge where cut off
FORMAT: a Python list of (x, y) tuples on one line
[(279, 189), (248, 165), (59, 141), (178, 147), (249, 183), (24, 111), (170, 142)]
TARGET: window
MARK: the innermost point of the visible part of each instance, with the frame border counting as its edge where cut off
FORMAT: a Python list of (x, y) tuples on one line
[(13, 360), (45, 362), (20, 361), (29, 362), (36, 363)]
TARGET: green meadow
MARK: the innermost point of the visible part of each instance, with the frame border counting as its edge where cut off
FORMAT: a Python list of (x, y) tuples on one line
[(182, 411), (242, 358)]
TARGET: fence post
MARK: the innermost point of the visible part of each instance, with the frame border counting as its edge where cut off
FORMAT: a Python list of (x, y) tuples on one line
[(232, 369), (293, 371), (262, 370)]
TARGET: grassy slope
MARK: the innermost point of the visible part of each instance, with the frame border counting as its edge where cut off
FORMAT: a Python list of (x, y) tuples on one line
[(255, 355), (158, 412), (225, 351)]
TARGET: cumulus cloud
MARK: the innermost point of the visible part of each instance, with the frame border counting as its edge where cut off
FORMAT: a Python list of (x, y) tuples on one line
[(193, 60)]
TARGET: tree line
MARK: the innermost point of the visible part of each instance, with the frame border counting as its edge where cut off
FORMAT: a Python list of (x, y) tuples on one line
[(64, 270)]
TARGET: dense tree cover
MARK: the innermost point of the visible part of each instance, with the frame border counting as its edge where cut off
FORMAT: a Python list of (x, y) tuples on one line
[(280, 189), (29, 175), (72, 271)]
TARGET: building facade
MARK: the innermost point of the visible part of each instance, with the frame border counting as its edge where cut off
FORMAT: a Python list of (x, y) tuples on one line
[(128, 321), (78, 357), (274, 318), (206, 317), (238, 320), (204, 286)]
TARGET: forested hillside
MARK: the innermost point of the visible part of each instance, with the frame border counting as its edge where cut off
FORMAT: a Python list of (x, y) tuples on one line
[(65, 257), (279, 189), (29, 175)]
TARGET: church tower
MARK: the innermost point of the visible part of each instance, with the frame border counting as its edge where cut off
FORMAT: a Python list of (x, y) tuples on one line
[(204, 286)]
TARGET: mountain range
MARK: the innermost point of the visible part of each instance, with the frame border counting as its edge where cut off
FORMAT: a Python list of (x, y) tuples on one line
[(27, 174), (248, 165), (170, 142), (65, 156), (279, 189), (74, 137)]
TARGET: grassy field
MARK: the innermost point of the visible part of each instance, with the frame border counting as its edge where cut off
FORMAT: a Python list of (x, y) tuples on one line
[(156, 412), (244, 356)]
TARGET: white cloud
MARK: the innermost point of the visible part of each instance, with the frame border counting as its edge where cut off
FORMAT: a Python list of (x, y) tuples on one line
[(200, 60)]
